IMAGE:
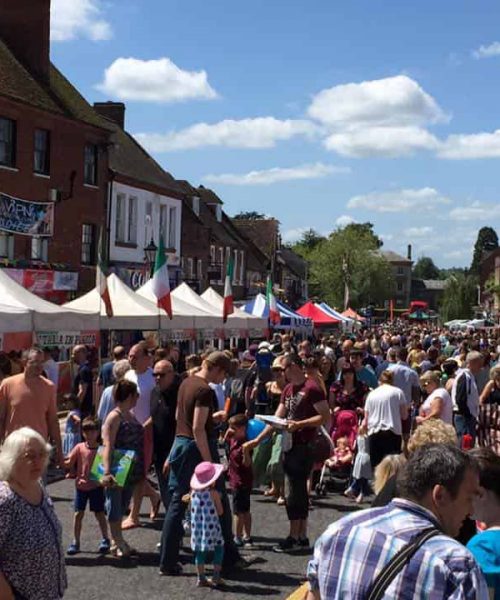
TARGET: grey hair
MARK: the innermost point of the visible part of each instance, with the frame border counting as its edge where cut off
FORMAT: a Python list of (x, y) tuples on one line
[(31, 352), (14, 446), (120, 368), (473, 355)]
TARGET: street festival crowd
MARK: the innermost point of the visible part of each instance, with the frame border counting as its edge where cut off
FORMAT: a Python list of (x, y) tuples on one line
[(404, 417)]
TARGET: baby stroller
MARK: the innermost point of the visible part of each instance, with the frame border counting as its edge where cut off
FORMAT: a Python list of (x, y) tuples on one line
[(345, 425)]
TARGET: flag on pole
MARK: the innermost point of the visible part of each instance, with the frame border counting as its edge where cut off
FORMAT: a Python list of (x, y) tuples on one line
[(228, 291), (160, 280), (274, 315), (101, 278)]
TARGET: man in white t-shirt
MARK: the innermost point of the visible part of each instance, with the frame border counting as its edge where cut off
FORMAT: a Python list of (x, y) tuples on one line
[(50, 367), (141, 374), (385, 409)]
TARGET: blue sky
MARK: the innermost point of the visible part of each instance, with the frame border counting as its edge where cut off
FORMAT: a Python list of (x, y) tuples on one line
[(317, 113)]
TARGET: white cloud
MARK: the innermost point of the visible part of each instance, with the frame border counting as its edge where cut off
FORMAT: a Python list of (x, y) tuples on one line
[(72, 19), (277, 174), (381, 141), (418, 232), (386, 237), (399, 201), (477, 211), (261, 132), (471, 146), (293, 235), (383, 117), (344, 220), (158, 80), (487, 51)]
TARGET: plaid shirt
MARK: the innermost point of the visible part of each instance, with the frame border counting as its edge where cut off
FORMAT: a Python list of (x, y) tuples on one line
[(352, 552)]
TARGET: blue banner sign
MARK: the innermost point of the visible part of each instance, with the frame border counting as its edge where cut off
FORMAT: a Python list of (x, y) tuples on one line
[(26, 217)]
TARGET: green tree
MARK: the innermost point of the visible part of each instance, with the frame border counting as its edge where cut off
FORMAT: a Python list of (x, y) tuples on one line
[(251, 215), (426, 269), (366, 231), (307, 242), (352, 254), (459, 297), (487, 240)]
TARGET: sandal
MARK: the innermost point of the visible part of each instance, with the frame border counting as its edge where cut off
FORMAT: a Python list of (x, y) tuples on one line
[(280, 501), (119, 550)]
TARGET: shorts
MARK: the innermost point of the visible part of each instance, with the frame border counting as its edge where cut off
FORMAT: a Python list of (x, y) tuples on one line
[(117, 501), (241, 500), (94, 497)]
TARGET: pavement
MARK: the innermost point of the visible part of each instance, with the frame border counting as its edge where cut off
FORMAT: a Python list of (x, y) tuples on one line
[(271, 575)]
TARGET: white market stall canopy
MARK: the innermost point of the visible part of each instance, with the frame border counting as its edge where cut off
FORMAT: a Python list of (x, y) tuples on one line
[(202, 319), (252, 323), (46, 316), (130, 309), (14, 319)]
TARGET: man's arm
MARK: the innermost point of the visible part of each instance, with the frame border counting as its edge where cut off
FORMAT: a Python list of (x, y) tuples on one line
[(54, 429), (199, 432)]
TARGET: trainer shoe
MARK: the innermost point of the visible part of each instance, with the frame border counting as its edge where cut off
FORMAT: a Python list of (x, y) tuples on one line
[(104, 546), (238, 542), (73, 549), (287, 545), (304, 543), (247, 542)]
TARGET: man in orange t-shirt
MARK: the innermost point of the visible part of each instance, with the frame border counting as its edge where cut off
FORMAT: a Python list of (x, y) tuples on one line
[(29, 400)]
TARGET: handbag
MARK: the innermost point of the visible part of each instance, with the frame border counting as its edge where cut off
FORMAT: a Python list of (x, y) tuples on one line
[(397, 564)]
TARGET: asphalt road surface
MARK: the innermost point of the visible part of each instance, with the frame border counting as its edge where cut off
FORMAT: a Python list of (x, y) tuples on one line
[(271, 575)]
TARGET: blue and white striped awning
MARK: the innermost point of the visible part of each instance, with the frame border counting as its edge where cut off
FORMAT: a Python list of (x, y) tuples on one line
[(289, 318), (334, 313)]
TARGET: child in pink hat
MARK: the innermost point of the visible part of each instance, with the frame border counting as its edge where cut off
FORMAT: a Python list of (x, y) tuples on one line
[(206, 532)]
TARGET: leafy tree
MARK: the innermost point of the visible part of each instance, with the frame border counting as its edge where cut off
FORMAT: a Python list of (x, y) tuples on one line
[(364, 229), (350, 254), (426, 269), (487, 240), (459, 297), (307, 242), (251, 215)]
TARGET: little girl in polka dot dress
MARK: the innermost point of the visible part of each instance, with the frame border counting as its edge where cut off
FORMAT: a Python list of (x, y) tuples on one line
[(206, 533)]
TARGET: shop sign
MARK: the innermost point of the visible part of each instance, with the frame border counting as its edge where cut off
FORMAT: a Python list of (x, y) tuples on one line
[(25, 217), (67, 339)]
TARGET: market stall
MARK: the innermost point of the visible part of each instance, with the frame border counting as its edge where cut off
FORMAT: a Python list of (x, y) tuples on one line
[(318, 316), (289, 319), (254, 325)]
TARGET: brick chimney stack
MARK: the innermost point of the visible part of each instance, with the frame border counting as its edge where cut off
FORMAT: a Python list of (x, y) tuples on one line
[(114, 111), (25, 29)]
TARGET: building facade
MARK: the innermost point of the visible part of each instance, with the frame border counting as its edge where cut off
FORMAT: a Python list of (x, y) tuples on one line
[(401, 268)]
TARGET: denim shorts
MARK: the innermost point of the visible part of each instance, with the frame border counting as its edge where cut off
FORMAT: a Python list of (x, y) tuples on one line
[(117, 501), (94, 497)]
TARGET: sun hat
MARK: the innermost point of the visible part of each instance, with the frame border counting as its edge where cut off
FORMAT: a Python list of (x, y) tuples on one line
[(205, 474)]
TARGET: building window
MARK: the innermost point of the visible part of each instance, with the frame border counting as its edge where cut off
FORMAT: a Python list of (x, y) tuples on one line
[(6, 245), (401, 271), (172, 227), (7, 142), (212, 255), (132, 220), (221, 265), (241, 277), (196, 205), (88, 244), (41, 154), (401, 286), (164, 223), (120, 217), (148, 222), (90, 166), (235, 267), (40, 249), (199, 267), (190, 269), (218, 213)]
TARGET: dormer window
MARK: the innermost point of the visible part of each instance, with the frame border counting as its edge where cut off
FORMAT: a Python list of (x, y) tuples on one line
[(196, 205), (218, 213)]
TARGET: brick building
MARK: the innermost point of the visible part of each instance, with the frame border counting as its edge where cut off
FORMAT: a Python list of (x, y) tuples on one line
[(401, 269), (53, 148), (489, 281)]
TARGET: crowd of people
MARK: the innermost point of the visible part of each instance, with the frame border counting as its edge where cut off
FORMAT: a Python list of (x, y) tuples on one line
[(406, 414)]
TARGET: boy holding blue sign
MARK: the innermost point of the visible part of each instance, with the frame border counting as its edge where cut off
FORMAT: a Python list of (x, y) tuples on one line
[(240, 479), (79, 464)]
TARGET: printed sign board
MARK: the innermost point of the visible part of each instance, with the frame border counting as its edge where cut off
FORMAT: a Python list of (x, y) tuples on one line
[(25, 217)]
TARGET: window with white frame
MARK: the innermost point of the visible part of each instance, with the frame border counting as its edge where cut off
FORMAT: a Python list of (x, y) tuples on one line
[(164, 223), (40, 249), (196, 205), (199, 269), (241, 265), (212, 255), (190, 268), (218, 213), (221, 264), (132, 220), (120, 217), (235, 267), (88, 254), (6, 245), (148, 221), (172, 227)]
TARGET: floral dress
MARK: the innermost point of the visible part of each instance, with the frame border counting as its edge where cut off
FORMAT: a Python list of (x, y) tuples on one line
[(206, 532)]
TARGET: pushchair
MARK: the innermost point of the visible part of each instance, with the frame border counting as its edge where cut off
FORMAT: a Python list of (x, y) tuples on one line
[(345, 425)]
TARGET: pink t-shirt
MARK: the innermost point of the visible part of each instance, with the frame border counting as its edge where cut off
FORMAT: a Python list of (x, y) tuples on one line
[(28, 403), (81, 459)]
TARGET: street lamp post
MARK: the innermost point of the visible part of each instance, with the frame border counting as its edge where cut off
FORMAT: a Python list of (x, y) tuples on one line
[(150, 255)]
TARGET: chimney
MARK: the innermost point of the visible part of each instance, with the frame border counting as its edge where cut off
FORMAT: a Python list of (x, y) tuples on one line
[(409, 252), (25, 29), (114, 111)]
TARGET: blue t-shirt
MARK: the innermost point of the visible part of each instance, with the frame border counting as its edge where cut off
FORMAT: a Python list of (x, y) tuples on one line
[(106, 375), (485, 547)]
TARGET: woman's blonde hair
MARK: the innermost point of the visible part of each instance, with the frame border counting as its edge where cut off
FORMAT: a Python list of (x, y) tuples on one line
[(494, 371), (432, 431), (14, 446), (386, 469)]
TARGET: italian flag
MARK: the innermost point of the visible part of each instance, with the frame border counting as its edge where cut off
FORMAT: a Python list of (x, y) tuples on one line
[(274, 315), (102, 280), (228, 291), (160, 281)]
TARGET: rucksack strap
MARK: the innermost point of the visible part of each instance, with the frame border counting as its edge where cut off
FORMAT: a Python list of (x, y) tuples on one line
[(397, 564)]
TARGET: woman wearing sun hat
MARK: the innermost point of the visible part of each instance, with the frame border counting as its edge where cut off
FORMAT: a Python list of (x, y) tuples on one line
[(206, 532)]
